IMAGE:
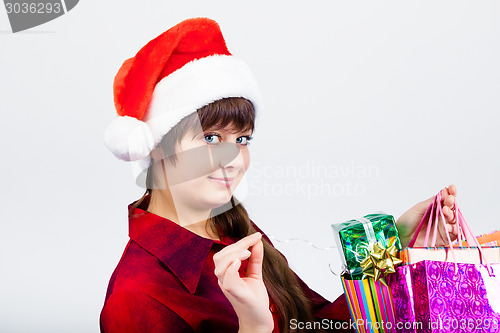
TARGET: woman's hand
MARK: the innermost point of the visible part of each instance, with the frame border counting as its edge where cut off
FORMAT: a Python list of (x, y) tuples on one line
[(248, 295), (408, 222)]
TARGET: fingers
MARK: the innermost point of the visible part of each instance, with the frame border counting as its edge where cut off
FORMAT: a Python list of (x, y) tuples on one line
[(240, 245), (447, 193), (448, 200), (452, 189), (254, 269), (249, 240), (222, 265), (230, 281), (452, 229), (237, 251), (449, 215)]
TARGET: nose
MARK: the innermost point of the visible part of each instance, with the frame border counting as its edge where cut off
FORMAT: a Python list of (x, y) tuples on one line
[(228, 155)]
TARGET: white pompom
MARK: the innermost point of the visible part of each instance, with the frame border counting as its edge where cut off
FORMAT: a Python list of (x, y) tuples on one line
[(128, 138)]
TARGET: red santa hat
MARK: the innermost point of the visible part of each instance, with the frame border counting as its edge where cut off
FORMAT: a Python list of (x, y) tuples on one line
[(181, 70)]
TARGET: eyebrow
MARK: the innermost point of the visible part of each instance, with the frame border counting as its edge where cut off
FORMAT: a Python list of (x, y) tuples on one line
[(219, 128)]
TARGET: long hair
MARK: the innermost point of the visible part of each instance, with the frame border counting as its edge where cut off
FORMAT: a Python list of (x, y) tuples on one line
[(280, 281)]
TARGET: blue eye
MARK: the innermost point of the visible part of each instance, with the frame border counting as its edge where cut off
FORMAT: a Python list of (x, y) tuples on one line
[(212, 139), (244, 140)]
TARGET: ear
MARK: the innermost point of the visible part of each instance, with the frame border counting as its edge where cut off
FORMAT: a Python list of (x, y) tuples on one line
[(157, 154)]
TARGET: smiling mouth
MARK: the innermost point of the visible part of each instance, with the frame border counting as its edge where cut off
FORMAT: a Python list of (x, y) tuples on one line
[(227, 182)]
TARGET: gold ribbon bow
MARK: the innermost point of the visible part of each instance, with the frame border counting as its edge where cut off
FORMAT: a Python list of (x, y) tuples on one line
[(380, 262)]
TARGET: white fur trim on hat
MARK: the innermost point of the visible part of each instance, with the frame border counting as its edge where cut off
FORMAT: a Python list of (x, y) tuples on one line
[(128, 138), (139, 171)]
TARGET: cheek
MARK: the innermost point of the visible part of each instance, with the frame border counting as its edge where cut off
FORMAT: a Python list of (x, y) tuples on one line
[(190, 190), (191, 164), (246, 158)]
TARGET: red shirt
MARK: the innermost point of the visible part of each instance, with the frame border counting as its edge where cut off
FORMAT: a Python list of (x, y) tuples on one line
[(165, 282)]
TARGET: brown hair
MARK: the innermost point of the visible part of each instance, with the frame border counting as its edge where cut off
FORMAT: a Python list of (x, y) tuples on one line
[(279, 279)]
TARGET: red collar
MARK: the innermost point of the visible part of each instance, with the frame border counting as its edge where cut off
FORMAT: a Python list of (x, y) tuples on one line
[(171, 243)]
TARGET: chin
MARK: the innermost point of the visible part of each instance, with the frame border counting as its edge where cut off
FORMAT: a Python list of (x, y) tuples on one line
[(221, 195), (222, 201), (219, 209)]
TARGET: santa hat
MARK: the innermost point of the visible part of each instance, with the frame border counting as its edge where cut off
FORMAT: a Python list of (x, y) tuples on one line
[(172, 76)]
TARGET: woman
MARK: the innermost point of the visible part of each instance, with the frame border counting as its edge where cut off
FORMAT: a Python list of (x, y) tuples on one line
[(195, 261)]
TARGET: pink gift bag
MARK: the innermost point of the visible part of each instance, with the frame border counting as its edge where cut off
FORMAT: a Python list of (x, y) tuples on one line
[(446, 296)]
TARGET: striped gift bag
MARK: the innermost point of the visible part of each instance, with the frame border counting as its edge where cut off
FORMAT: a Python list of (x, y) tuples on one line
[(371, 305)]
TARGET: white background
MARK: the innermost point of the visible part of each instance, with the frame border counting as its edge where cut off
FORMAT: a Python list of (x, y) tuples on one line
[(405, 90)]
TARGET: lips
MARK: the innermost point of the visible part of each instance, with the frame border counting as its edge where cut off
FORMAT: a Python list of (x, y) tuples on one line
[(227, 182)]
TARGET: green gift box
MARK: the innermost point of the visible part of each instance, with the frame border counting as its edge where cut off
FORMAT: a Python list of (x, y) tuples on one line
[(355, 239)]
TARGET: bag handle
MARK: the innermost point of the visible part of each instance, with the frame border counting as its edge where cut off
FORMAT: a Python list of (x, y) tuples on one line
[(421, 224), (432, 215)]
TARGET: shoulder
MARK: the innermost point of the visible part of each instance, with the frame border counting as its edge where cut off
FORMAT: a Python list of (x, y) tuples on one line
[(128, 310), (126, 299), (140, 273), (134, 262)]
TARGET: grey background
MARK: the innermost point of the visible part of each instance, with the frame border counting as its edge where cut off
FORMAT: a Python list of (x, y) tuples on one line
[(403, 94)]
